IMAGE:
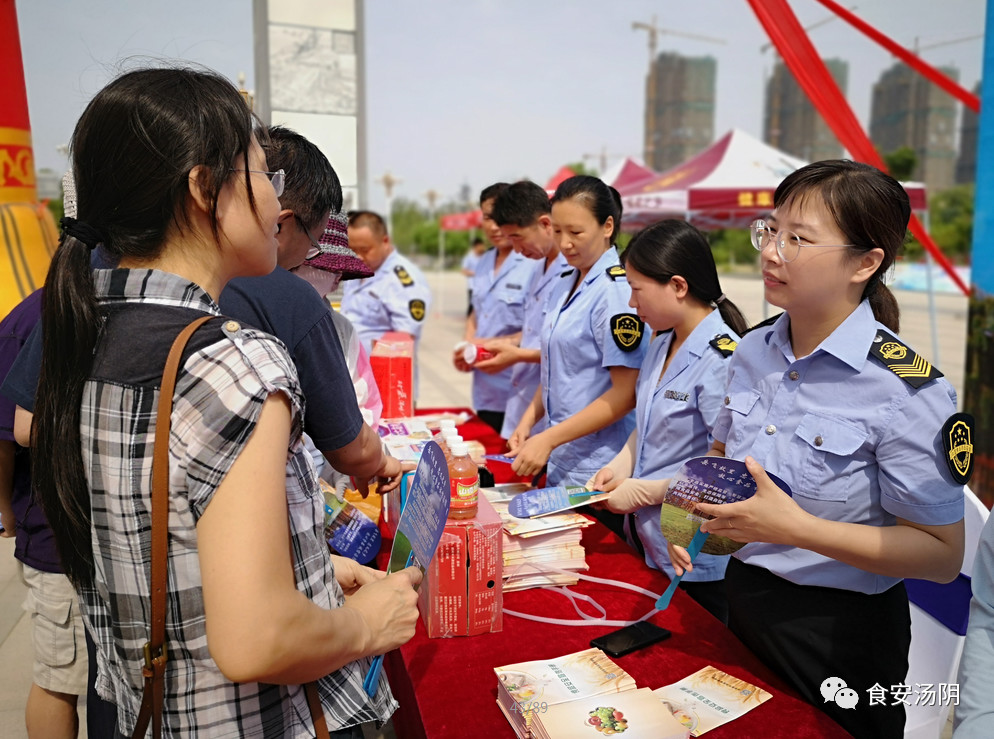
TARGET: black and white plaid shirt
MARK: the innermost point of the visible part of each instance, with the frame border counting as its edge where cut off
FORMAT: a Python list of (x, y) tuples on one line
[(225, 378)]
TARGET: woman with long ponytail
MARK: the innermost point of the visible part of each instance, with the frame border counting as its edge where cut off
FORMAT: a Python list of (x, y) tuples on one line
[(172, 183), (676, 291)]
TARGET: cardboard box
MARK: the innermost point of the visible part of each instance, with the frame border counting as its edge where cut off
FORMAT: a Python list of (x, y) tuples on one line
[(392, 362), (461, 594)]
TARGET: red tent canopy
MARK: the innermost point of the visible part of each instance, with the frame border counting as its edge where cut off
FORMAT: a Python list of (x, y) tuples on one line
[(557, 179), (725, 186), (627, 172), (461, 221)]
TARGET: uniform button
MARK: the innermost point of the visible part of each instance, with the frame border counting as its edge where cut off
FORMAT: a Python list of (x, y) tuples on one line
[(819, 441), (232, 326), (771, 429), (727, 400), (794, 375)]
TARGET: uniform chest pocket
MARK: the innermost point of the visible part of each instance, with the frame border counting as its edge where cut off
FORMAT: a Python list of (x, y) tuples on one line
[(511, 295), (827, 454)]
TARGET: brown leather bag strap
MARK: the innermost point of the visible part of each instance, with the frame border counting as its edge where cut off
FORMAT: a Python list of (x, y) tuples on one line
[(317, 713), (155, 648)]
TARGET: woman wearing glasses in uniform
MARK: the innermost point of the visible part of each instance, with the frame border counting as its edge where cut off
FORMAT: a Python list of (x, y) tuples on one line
[(830, 399)]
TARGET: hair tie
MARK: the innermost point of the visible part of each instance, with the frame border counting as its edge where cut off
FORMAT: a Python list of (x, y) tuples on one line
[(719, 300), (82, 232)]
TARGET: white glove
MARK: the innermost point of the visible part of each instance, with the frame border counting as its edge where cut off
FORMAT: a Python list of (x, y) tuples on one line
[(633, 494)]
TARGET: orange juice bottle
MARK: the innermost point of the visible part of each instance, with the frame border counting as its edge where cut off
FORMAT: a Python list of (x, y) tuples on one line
[(464, 482)]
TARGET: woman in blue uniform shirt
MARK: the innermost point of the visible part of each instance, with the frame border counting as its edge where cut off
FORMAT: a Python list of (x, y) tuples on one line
[(592, 345), (853, 421), (680, 388)]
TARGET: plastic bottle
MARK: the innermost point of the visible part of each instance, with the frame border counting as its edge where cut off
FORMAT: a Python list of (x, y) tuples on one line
[(464, 483), (448, 437)]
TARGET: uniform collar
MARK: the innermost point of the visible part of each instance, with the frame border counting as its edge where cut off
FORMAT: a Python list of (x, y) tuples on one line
[(849, 342), (711, 326), (607, 259), (151, 286), (389, 261)]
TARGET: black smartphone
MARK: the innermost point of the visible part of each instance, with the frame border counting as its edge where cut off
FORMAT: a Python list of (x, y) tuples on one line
[(621, 642)]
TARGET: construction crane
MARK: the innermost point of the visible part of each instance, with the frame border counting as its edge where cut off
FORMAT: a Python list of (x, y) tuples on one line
[(656, 31)]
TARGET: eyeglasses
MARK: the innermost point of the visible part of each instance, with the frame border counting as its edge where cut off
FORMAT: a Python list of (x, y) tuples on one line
[(277, 178), (788, 243), (315, 246)]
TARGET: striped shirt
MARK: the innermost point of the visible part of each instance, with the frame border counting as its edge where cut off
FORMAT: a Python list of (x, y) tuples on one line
[(226, 376)]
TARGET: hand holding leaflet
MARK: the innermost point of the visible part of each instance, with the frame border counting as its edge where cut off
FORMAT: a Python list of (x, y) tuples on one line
[(545, 501), (420, 528)]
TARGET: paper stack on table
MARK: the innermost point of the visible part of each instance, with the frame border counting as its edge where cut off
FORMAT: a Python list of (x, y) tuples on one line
[(527, 689), (532, 547), (638, 714)]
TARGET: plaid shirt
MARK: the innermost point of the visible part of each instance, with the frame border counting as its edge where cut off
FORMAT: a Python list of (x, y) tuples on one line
[(225, 378)]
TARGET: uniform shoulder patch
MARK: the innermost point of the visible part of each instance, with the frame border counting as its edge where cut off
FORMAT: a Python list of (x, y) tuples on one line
[(626, 329), (902, 360), (957, 440), (725, 344), (417, 309), (402, 274), (616, 272)]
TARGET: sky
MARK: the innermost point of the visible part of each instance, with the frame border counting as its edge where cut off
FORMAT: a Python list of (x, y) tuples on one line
[(469, 92)]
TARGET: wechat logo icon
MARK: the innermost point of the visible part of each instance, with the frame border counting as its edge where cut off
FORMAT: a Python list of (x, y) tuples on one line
[(835, 690)]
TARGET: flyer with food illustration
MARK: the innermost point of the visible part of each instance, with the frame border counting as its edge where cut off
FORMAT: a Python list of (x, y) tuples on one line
[(634, 714)]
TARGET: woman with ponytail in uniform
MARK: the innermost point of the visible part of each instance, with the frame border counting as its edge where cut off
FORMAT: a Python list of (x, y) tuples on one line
[(829, 398)]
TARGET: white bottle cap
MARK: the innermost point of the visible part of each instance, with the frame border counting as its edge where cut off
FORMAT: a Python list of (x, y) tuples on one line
[(459, 449), (453, 439), (446, 423)]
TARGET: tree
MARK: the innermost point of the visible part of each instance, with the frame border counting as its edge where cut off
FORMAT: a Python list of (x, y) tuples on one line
[(581, 168), (901, 163)]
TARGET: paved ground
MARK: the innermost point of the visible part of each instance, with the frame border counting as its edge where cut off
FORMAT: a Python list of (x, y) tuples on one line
[(442, 385)]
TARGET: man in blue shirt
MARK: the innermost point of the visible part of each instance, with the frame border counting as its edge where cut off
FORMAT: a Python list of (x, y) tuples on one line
[(499, 288)]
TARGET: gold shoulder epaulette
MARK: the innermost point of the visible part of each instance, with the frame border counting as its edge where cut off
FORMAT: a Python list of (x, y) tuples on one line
[(616, 272), (902, 360)]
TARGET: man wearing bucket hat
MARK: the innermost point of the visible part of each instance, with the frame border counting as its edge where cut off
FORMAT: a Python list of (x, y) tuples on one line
[(334, 262), (282, 304)]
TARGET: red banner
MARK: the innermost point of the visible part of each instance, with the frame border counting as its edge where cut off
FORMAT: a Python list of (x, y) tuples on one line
[(801, 57), (461, 221)]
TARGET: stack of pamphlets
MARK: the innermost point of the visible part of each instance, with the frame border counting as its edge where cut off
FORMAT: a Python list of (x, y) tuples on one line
[(533, 546), (528, 689), (637, 714)]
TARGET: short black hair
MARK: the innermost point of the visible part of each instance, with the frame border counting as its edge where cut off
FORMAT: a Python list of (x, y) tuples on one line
[(368, 219), (311, 188), (491, 192), (521, 204)]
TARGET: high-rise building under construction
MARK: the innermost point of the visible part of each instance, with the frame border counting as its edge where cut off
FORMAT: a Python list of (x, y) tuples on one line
[(679, 109), (910, 111), (790, 121)]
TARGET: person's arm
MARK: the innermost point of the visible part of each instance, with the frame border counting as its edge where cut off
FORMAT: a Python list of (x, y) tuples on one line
[(505, 354), (532, 414), (22, 426), (7, 450), (604, 410), (293, 640), (974, 718), (906, 549), (365, 458)]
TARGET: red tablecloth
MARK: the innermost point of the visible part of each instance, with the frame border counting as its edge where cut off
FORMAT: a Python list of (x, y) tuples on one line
[(447, 687)]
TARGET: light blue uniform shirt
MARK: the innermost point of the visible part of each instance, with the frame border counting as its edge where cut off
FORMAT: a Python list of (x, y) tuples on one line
[(526, 376), (675, 415), (498, 305), (579, 344), (975, 712), (854, 441), (390, 300)]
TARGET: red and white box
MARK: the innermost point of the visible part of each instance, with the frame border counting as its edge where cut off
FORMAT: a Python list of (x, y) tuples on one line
[(392, 362), (461, 594)]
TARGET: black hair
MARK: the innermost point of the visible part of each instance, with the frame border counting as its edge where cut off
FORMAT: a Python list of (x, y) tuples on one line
[(491, 192), (311, 186), (133, 150), (602, 200), (521, 204), (368, 219), (674, 247), (869, 207)]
